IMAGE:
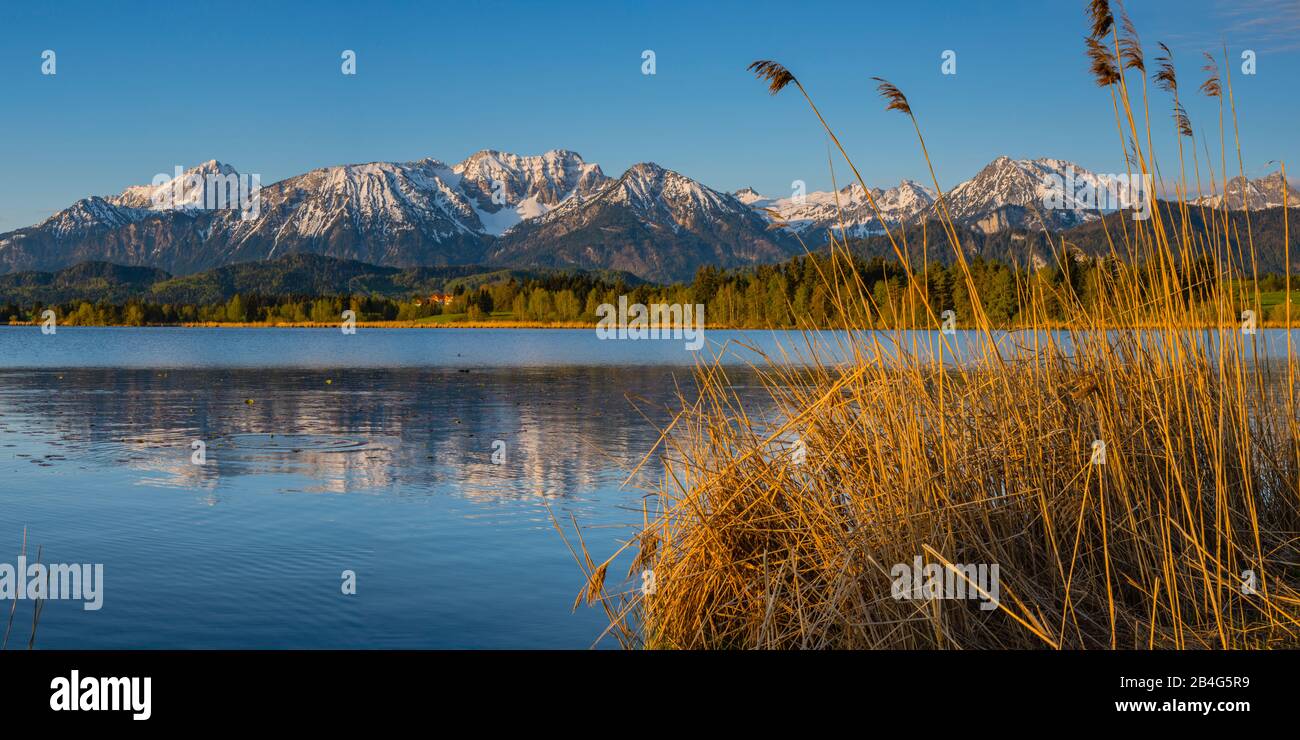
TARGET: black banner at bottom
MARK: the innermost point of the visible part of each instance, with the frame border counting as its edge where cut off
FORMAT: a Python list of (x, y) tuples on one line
[(964, 690)]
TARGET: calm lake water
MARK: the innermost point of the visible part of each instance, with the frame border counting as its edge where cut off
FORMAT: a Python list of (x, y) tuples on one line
[(369, 452)]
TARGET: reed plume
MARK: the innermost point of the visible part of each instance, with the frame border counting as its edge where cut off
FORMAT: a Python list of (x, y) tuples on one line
[(1184, 123), (1166, 77), (1104, 69), (776, 75), (1102, 20), (1211, 87), (1130, 45), (895, 97)]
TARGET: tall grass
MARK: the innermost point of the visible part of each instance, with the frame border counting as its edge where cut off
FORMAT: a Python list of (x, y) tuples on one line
[(780, 530), (37, 605)]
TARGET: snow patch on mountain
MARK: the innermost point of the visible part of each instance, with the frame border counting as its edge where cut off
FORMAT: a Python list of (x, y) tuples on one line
[(90, 213), (848, 208), (196, 188)]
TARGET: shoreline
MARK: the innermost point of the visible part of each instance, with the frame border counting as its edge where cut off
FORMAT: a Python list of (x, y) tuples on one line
[(585, 325)]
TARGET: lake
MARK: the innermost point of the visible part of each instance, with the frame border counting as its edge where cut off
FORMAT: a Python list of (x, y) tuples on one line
[(325, 453)]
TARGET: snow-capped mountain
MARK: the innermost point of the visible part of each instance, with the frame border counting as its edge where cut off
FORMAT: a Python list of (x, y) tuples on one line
[(811, 215), (651, 221), (197, 188), (1035, 194), (187, 191), (383, 213), (1264, 192), (1006, 193), (85, 216), (425, 212), (508, 189), (659, 196)]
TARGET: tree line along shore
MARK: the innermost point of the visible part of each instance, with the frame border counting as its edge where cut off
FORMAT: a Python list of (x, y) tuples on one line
[(804, 292)]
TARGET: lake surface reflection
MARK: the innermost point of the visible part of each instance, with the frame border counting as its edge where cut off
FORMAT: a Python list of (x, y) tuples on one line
[(311, 472)]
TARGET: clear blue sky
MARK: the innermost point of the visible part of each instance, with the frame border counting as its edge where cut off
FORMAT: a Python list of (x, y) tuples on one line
[(141, 87)]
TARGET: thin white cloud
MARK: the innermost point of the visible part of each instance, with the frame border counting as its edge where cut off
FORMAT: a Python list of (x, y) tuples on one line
[(1266, 26)]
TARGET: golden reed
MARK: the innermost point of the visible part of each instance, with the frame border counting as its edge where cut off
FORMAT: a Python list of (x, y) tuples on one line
[(782, 531)]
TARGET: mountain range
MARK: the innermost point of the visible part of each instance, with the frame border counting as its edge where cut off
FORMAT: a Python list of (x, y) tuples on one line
[(553, 210)]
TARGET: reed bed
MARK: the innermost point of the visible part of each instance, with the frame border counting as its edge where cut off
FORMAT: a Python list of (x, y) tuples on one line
[(1133, 473)]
